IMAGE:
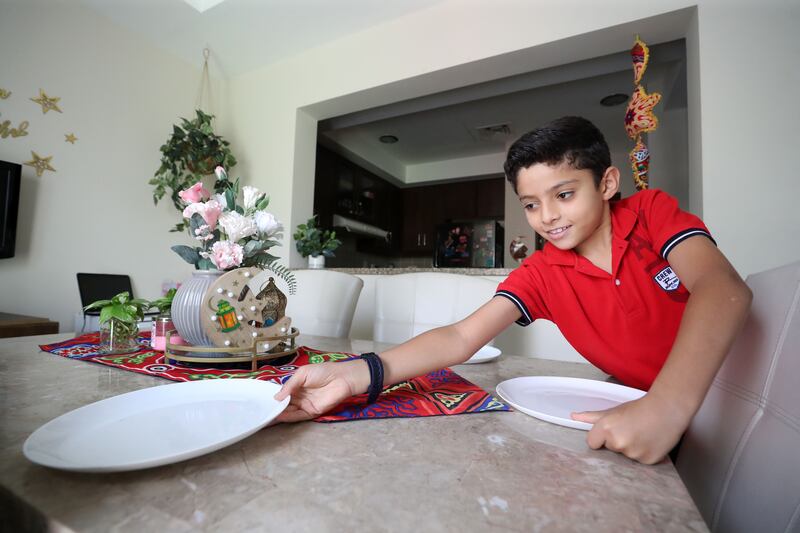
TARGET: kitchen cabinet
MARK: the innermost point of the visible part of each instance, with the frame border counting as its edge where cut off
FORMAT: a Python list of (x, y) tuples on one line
[(426, 207)]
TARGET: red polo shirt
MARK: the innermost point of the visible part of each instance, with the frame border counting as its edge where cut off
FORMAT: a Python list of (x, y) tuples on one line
[(624, 322)]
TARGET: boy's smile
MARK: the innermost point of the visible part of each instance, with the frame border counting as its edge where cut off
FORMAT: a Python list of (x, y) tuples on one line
[(563, 205)]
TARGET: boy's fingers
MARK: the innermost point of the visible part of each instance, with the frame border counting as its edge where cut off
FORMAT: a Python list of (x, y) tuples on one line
[(590, 417), (292, 385), (293, 415)]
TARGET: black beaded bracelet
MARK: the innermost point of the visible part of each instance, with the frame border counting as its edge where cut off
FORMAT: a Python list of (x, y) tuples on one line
[(375, 375)]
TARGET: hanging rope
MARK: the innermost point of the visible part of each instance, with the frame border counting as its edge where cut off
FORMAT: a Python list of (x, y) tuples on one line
[(205, 81)]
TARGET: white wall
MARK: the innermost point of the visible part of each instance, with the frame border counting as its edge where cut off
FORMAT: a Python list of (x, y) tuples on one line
[(405, 58), (120, 97)]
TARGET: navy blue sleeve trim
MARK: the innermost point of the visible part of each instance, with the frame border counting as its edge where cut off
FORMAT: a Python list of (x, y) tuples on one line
[(682, 236), (523, 320)]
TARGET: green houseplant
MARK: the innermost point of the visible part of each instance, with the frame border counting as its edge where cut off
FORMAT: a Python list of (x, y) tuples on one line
[(119, 318), (315, 243), (192, 151)]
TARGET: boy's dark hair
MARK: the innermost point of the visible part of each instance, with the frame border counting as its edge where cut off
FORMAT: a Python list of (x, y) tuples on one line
[(573, 140)]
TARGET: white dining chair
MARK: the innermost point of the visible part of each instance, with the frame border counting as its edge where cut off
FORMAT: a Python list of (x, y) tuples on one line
[(409, 304), (740, 458), (324, 302)]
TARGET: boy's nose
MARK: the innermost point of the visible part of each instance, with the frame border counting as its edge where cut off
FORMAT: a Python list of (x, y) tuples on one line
[(549, 215)]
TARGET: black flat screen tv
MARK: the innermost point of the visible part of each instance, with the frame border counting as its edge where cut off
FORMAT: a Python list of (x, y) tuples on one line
[(10, 179)]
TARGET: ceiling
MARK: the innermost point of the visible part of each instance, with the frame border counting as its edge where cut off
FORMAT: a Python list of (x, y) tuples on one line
[(446, 127), (243, 35)]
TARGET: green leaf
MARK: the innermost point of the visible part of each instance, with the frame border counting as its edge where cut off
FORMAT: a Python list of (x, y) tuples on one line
[(205, 264), (97, 305), (262, 204), (188, 254)]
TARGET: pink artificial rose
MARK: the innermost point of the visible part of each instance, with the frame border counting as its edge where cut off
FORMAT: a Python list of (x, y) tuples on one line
[(195, 193), (210, 212), (226, 254)]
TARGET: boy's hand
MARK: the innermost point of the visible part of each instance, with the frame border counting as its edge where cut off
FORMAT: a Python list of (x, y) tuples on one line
[(644, 430), (318, 388)]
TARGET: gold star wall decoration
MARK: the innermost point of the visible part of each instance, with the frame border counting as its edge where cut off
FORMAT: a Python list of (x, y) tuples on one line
[(4, 94), (70, 138), (47, 102), (40, 163)]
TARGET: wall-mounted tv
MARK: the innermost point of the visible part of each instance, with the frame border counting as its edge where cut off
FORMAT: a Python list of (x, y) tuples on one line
[(10, 179)]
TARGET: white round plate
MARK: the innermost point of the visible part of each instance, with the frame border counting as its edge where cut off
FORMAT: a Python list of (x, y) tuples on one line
[(553, 398), (484, 355), (155, 426)]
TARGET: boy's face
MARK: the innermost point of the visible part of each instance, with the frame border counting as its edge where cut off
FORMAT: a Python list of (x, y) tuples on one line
[(563, 205)]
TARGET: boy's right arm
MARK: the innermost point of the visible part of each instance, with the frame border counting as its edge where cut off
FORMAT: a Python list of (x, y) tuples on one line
[(315, 389)]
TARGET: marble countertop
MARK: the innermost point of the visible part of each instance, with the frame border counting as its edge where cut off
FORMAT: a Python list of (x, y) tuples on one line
[(488, 471), (406, 270)]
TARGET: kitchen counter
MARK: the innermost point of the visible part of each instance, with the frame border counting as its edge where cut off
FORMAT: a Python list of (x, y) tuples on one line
[(478, 472), (406, 270)]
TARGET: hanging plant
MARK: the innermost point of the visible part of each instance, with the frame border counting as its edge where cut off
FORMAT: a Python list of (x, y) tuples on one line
[(191, 152)]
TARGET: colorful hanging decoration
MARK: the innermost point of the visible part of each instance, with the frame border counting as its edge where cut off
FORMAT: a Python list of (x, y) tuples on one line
[(40, 163), (639, 116), (48, 103), (70, 138), (4, 94), (640, 54), (640, 163)]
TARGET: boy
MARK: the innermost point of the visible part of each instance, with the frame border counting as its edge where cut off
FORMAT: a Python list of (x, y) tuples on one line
[(637, 286)]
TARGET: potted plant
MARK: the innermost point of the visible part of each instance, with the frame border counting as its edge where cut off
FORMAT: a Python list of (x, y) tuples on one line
[(315, 243), (119, 319), (191, 152)]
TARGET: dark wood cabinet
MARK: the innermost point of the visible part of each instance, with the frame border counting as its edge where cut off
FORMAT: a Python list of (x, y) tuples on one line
[(343, 188), (426, 207)]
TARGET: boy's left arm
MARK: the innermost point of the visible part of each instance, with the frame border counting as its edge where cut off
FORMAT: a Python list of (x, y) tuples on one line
[(648, 428)]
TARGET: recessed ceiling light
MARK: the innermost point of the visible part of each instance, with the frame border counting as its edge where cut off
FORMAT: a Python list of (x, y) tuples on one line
[(614, 99), (203, 5), (388, 139)]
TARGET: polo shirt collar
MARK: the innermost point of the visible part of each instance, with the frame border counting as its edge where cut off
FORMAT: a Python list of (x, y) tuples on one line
[(622, 222)]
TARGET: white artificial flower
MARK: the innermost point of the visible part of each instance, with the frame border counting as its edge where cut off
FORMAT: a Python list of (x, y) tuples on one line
[(268, 225), (237, 226), (251, 197), (221, 199)]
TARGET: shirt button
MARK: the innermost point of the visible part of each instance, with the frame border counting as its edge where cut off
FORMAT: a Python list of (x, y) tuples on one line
[(617, 281)]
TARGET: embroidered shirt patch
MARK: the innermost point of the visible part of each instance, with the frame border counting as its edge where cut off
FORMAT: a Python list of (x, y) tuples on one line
[(667, 279)]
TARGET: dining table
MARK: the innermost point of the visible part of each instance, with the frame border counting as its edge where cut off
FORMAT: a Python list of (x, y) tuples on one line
[(489, 471)]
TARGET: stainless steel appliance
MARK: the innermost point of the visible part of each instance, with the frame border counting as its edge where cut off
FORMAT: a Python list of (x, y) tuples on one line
[(469, 244)]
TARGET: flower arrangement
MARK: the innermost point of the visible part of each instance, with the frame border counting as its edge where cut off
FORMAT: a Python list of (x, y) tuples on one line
[(313, 241), (230, 235)]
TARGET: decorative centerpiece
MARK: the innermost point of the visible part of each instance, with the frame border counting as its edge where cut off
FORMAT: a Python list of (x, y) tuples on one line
[(231, 238), (315, 243), (119, 322)]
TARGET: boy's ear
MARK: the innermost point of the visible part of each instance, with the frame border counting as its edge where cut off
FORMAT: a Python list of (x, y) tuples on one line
[(609, 185)]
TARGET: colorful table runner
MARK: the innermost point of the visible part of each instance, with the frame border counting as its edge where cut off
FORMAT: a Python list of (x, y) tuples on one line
[(439, 393)]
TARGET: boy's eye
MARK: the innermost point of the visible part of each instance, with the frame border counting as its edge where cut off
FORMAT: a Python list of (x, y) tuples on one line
[(530, 206), (563, 195)]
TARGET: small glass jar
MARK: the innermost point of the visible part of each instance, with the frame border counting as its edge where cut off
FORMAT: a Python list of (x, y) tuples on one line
[(118, 337), (158, 332)]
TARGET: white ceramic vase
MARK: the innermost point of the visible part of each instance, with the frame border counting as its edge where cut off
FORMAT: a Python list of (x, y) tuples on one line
[(316, 262), (187, 303)]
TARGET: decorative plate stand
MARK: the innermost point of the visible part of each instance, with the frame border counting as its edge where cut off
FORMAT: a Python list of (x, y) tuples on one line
[(243, 314)]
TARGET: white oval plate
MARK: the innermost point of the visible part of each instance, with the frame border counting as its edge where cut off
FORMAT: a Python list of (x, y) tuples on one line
[(484, 355), (553, 398), (155, 426)]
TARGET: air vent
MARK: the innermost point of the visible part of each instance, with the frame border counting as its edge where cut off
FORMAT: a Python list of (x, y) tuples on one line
[(494, 131)]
